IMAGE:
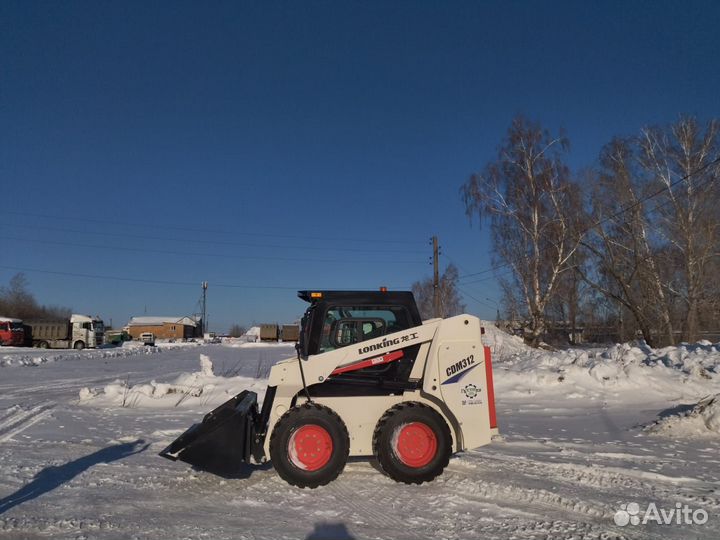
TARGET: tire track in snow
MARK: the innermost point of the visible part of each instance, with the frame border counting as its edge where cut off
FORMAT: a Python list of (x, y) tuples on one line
[(609, 479), (44, 526), (549, 507), (373, 505), (19, 419)]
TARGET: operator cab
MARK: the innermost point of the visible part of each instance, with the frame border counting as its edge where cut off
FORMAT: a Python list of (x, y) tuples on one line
[(337, 319)]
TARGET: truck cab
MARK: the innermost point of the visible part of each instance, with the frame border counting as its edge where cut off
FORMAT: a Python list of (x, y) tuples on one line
[(88, 331), (12, 332)]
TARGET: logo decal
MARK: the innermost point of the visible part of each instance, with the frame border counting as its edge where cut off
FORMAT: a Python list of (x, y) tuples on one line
[(385, 343), (470, 391), (459, 369)]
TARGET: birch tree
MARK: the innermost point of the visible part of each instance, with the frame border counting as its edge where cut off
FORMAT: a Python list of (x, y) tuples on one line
[(625, 264), (682, 161), (532, 206)]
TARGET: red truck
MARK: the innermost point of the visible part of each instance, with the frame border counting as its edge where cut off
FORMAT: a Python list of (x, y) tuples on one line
[(11, 332)]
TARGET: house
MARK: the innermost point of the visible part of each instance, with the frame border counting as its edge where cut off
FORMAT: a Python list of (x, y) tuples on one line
[(164, 327)]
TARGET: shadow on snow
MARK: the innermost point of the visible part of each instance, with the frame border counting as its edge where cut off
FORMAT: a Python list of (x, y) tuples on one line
[(53, 477), (330, 531)]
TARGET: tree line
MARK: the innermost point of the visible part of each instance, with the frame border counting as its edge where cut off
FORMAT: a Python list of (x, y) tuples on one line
[(16, 301), (631, 242)]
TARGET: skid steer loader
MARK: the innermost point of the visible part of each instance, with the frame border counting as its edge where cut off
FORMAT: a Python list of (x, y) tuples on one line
[(370, 379)]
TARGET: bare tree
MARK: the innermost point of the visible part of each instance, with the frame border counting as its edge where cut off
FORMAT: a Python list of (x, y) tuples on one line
[(625, 265), (568, 304), (654, 246), (450, 302), (681, 160), (534, 210), (237, 330), (17, 301)]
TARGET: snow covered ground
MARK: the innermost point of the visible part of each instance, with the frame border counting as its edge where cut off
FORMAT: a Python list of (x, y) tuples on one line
[(584, 432)]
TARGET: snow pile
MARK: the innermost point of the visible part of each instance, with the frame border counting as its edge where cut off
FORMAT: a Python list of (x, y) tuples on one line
[(254, 332), (202, 387), (36, 357), (290, 345), (691, 370), (501, 343), (165, 344), (697, 420)]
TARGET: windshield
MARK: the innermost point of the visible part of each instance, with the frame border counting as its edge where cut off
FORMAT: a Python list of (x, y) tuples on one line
[(16, 325)]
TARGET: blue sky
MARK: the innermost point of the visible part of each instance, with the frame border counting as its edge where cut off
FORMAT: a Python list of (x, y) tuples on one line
[(301, 144)]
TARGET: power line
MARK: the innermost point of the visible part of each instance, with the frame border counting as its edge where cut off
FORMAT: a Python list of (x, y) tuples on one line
[(213, 231), (163, 281), (482, 272), (619, 212), (652, 195), (475, 299), (205, 242), (195, 254), (489, 278)]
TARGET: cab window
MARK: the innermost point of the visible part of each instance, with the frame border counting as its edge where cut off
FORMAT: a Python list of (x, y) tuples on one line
[(344, 326)]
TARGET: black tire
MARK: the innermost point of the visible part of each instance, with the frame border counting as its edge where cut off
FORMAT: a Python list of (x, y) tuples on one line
[(43, 345), (312, 418), (434, 449), (79, 346)]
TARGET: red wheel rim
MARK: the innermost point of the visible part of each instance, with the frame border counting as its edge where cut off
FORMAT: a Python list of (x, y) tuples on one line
[(415, 444), (310, 447)]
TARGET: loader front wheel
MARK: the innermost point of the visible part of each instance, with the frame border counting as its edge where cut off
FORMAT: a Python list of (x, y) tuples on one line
[(412, 443), (309, 446)]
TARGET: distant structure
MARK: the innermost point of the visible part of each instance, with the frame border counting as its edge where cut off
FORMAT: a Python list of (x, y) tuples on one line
[(165, 327), (276, 332)]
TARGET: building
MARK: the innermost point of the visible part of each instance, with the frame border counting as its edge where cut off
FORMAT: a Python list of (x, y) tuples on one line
[(164, 327)]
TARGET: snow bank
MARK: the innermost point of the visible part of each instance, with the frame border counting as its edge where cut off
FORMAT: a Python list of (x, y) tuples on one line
[(290, 345), (203, 388), (501, 343), (254, 331), (685, 370), (36, 357), (700, 419)]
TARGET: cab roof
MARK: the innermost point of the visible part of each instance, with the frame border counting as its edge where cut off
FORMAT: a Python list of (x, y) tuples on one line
[(376, 298)]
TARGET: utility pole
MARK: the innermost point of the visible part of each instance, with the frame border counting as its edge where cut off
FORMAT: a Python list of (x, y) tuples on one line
[(204, 307), (436, 278)]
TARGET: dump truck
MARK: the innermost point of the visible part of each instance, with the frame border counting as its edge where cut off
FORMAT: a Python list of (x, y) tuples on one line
[(12, 332), (78, 332), (370, 378), (269, 332), (290, 332)]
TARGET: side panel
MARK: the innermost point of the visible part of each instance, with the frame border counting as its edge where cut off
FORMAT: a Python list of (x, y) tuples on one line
[(50, 330), (456, 374), (285, 375), (361, 415)]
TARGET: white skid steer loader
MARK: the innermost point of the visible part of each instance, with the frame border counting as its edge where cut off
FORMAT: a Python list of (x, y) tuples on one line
[(370, 379)]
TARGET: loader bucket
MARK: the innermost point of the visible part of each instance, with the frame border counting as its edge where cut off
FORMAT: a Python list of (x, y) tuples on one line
[(223, 440)]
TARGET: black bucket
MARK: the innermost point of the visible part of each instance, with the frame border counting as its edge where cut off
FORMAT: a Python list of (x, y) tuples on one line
[(224, 439)]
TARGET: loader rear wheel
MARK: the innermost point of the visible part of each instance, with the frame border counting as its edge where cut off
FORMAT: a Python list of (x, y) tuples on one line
[(412, 443), (309, 446)]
